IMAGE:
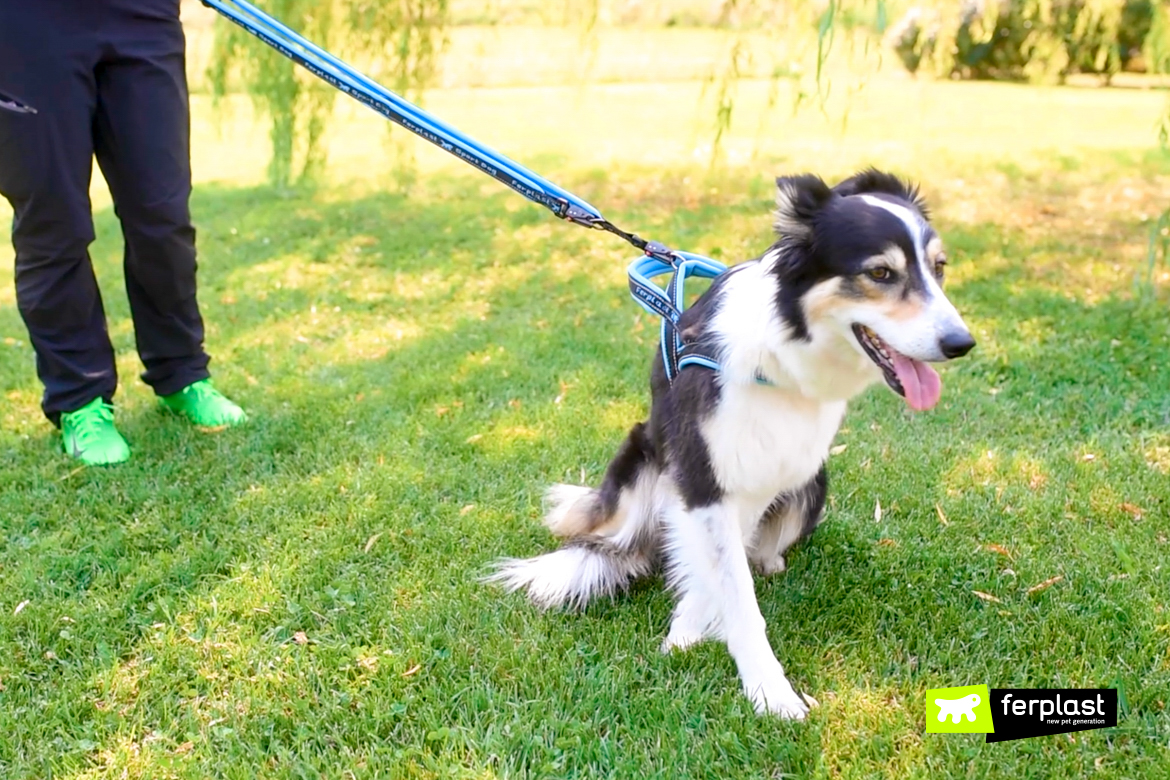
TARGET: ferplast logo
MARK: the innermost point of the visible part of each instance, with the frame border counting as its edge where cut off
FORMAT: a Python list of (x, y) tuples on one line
[(962, 710), (1019, 713), (1055, 711)]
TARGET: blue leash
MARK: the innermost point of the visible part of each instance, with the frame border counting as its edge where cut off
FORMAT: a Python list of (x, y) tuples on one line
[(658, 259)]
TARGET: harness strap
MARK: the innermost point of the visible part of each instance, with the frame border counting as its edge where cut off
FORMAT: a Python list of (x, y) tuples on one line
[(670, 303)]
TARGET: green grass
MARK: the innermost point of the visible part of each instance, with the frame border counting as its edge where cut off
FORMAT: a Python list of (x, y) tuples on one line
[(299, 598)]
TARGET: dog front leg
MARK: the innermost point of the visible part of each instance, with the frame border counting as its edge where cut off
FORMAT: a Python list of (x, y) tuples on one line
[(709, 556), (693, 621)]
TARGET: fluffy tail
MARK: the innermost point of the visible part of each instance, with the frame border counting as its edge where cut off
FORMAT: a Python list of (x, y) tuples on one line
[(610, 534), (573, 575)]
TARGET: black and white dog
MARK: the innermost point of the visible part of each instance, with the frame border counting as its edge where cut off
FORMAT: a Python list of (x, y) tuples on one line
[(729, 471)]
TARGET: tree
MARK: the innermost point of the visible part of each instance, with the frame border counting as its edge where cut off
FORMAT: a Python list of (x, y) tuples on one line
[(1034, 40), (396, 41), (807, 34)]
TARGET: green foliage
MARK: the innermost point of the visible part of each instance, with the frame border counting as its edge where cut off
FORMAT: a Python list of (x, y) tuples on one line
[(1137, 17), (402, 39), (806, 35), (395, 40), (1159, 245), (295, 105), (1023, 40), (1157, 252), (1156, 48)]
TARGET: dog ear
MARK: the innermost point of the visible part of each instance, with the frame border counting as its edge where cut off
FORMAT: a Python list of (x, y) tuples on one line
[(798, 200), (873, 180)]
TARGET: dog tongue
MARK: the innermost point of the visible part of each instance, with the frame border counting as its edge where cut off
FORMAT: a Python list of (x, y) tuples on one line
[(919, 380)]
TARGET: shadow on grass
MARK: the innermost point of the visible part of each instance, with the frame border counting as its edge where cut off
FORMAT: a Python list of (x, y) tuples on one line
[(302, 593)]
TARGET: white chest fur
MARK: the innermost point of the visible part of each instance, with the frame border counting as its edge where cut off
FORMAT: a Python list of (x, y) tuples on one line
[(764, 441)]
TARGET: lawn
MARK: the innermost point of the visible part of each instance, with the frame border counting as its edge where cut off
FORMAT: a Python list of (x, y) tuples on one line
[(300, 597)]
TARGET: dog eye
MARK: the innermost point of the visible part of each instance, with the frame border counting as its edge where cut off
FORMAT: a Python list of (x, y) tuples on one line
[(880, 274)]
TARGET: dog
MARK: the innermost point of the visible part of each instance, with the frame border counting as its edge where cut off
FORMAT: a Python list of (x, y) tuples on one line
[(729, 471)]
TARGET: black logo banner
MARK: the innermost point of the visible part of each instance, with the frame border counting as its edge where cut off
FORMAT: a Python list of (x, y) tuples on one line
[(1019, 713)]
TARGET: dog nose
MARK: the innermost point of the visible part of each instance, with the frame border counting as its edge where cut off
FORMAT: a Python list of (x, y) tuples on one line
[(956, 344)]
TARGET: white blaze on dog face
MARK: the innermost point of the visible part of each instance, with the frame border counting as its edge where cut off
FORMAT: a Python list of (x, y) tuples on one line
[(896, 291), (872, 271), (903, 299)]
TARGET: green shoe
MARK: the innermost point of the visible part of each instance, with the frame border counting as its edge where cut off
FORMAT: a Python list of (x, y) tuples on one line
[(90, 436), (204, 406)]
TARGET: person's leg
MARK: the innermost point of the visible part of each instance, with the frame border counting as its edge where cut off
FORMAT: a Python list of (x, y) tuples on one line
[(142, 140), (46, 61)]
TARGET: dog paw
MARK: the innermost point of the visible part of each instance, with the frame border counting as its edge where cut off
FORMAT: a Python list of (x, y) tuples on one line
[(680, 639), (774, 565), (690, 624), (686, 630), (772, 694)]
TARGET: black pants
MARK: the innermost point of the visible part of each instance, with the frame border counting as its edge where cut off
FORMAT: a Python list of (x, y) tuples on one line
[(106, 78)]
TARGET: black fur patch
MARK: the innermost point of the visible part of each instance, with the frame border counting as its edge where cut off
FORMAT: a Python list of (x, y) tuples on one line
[(813, 495), (634, 454), (810, 497), (849, 231), (873, 181), (676, 416)]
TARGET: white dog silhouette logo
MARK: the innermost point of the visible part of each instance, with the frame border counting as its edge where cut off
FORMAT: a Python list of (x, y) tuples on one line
[(958, 709)]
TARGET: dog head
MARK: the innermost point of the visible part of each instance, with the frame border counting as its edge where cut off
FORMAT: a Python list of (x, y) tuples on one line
[(861, 261)]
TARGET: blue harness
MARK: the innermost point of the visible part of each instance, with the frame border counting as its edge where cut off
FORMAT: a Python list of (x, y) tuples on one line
[(669, 303), (658, 260)]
